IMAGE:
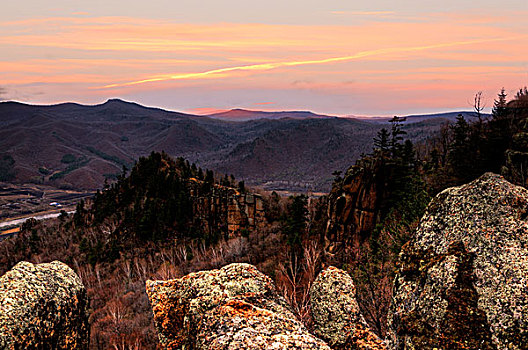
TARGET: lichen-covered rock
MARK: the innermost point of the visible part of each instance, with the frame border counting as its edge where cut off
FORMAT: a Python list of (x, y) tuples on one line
[(238, 325), (235, 307), (43, 307), (336, 315), (463, 278)]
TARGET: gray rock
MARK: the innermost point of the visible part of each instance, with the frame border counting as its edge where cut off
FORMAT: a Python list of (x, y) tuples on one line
[(43, 307), (235, 307), (336, 314), (463, 278)]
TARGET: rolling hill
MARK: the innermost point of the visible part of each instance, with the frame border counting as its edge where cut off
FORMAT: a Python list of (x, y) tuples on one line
[(245, 115), (78, 146)]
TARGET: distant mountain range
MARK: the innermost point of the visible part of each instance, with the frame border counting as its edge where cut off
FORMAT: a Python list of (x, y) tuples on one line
[(245, 115), (450, 116), (78, 146)]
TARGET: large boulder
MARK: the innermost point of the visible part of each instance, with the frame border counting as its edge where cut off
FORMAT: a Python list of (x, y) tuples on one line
[(463, 277), (235, 307), (43, 307), (336, 315)]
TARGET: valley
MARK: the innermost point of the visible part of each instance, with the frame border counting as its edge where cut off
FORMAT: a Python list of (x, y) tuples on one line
[(20, 202), (79, 147)]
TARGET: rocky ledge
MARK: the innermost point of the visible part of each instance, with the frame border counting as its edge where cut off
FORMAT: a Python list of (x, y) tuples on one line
[(463, 279), (237, 307), (43, 307)]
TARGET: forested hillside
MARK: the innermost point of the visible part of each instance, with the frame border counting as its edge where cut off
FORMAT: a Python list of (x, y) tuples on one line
[(72, 146)]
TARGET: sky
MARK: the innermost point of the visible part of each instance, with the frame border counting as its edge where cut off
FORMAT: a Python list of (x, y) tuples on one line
[(335, 57)]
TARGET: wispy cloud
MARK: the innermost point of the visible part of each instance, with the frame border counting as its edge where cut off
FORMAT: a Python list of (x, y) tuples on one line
[(89, 58), (274, 65)]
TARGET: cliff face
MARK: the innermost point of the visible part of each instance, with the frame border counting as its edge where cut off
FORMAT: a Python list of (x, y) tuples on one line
[(227, 210), (462, 281), (356, 205), (516, 164), (43, 307)]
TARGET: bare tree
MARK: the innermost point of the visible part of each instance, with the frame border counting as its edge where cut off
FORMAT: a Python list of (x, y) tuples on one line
[(478, 106)]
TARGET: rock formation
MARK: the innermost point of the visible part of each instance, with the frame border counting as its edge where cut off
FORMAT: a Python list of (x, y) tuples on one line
[(235, 307), (356, 205), (336, 315), (516, 163), (43, 307), (463, 278), (225, 209)]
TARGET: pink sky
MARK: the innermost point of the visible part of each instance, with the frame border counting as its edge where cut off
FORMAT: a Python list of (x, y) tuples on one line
[(387, 59)]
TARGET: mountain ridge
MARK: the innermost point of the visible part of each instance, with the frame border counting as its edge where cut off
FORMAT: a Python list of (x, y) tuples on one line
[(284, 152)]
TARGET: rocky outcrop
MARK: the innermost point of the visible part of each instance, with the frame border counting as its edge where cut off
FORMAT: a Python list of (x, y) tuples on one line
[(43, 307), (516, 158), (463, 278), (336, 315), (235, 307), (226, 209), (356, 204)]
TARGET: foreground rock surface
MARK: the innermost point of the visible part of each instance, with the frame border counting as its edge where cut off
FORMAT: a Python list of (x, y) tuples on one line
[(43, 307), (463, 279), (235, 307), (336, 315)]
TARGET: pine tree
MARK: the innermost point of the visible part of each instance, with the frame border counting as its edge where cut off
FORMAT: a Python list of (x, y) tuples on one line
[(396, 135), (381, 141), (460, 152), (499, 110)]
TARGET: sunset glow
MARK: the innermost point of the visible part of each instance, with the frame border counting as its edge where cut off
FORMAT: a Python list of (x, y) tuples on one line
[(334, 59)]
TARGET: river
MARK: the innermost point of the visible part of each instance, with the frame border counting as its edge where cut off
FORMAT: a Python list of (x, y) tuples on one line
[(37, 217)]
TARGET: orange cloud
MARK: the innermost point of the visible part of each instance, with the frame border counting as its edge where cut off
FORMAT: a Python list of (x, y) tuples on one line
[(268, 66), (439, 50)]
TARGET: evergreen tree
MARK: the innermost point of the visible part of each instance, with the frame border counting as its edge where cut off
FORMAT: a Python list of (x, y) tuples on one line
[(499, 110), (396, 135), (381, 141), (460, 153), (294, 223), (209, 177)]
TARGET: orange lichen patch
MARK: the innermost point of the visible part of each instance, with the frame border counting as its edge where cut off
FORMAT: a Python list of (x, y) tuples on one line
[(363, 338), (241, 308), (169, 315)]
